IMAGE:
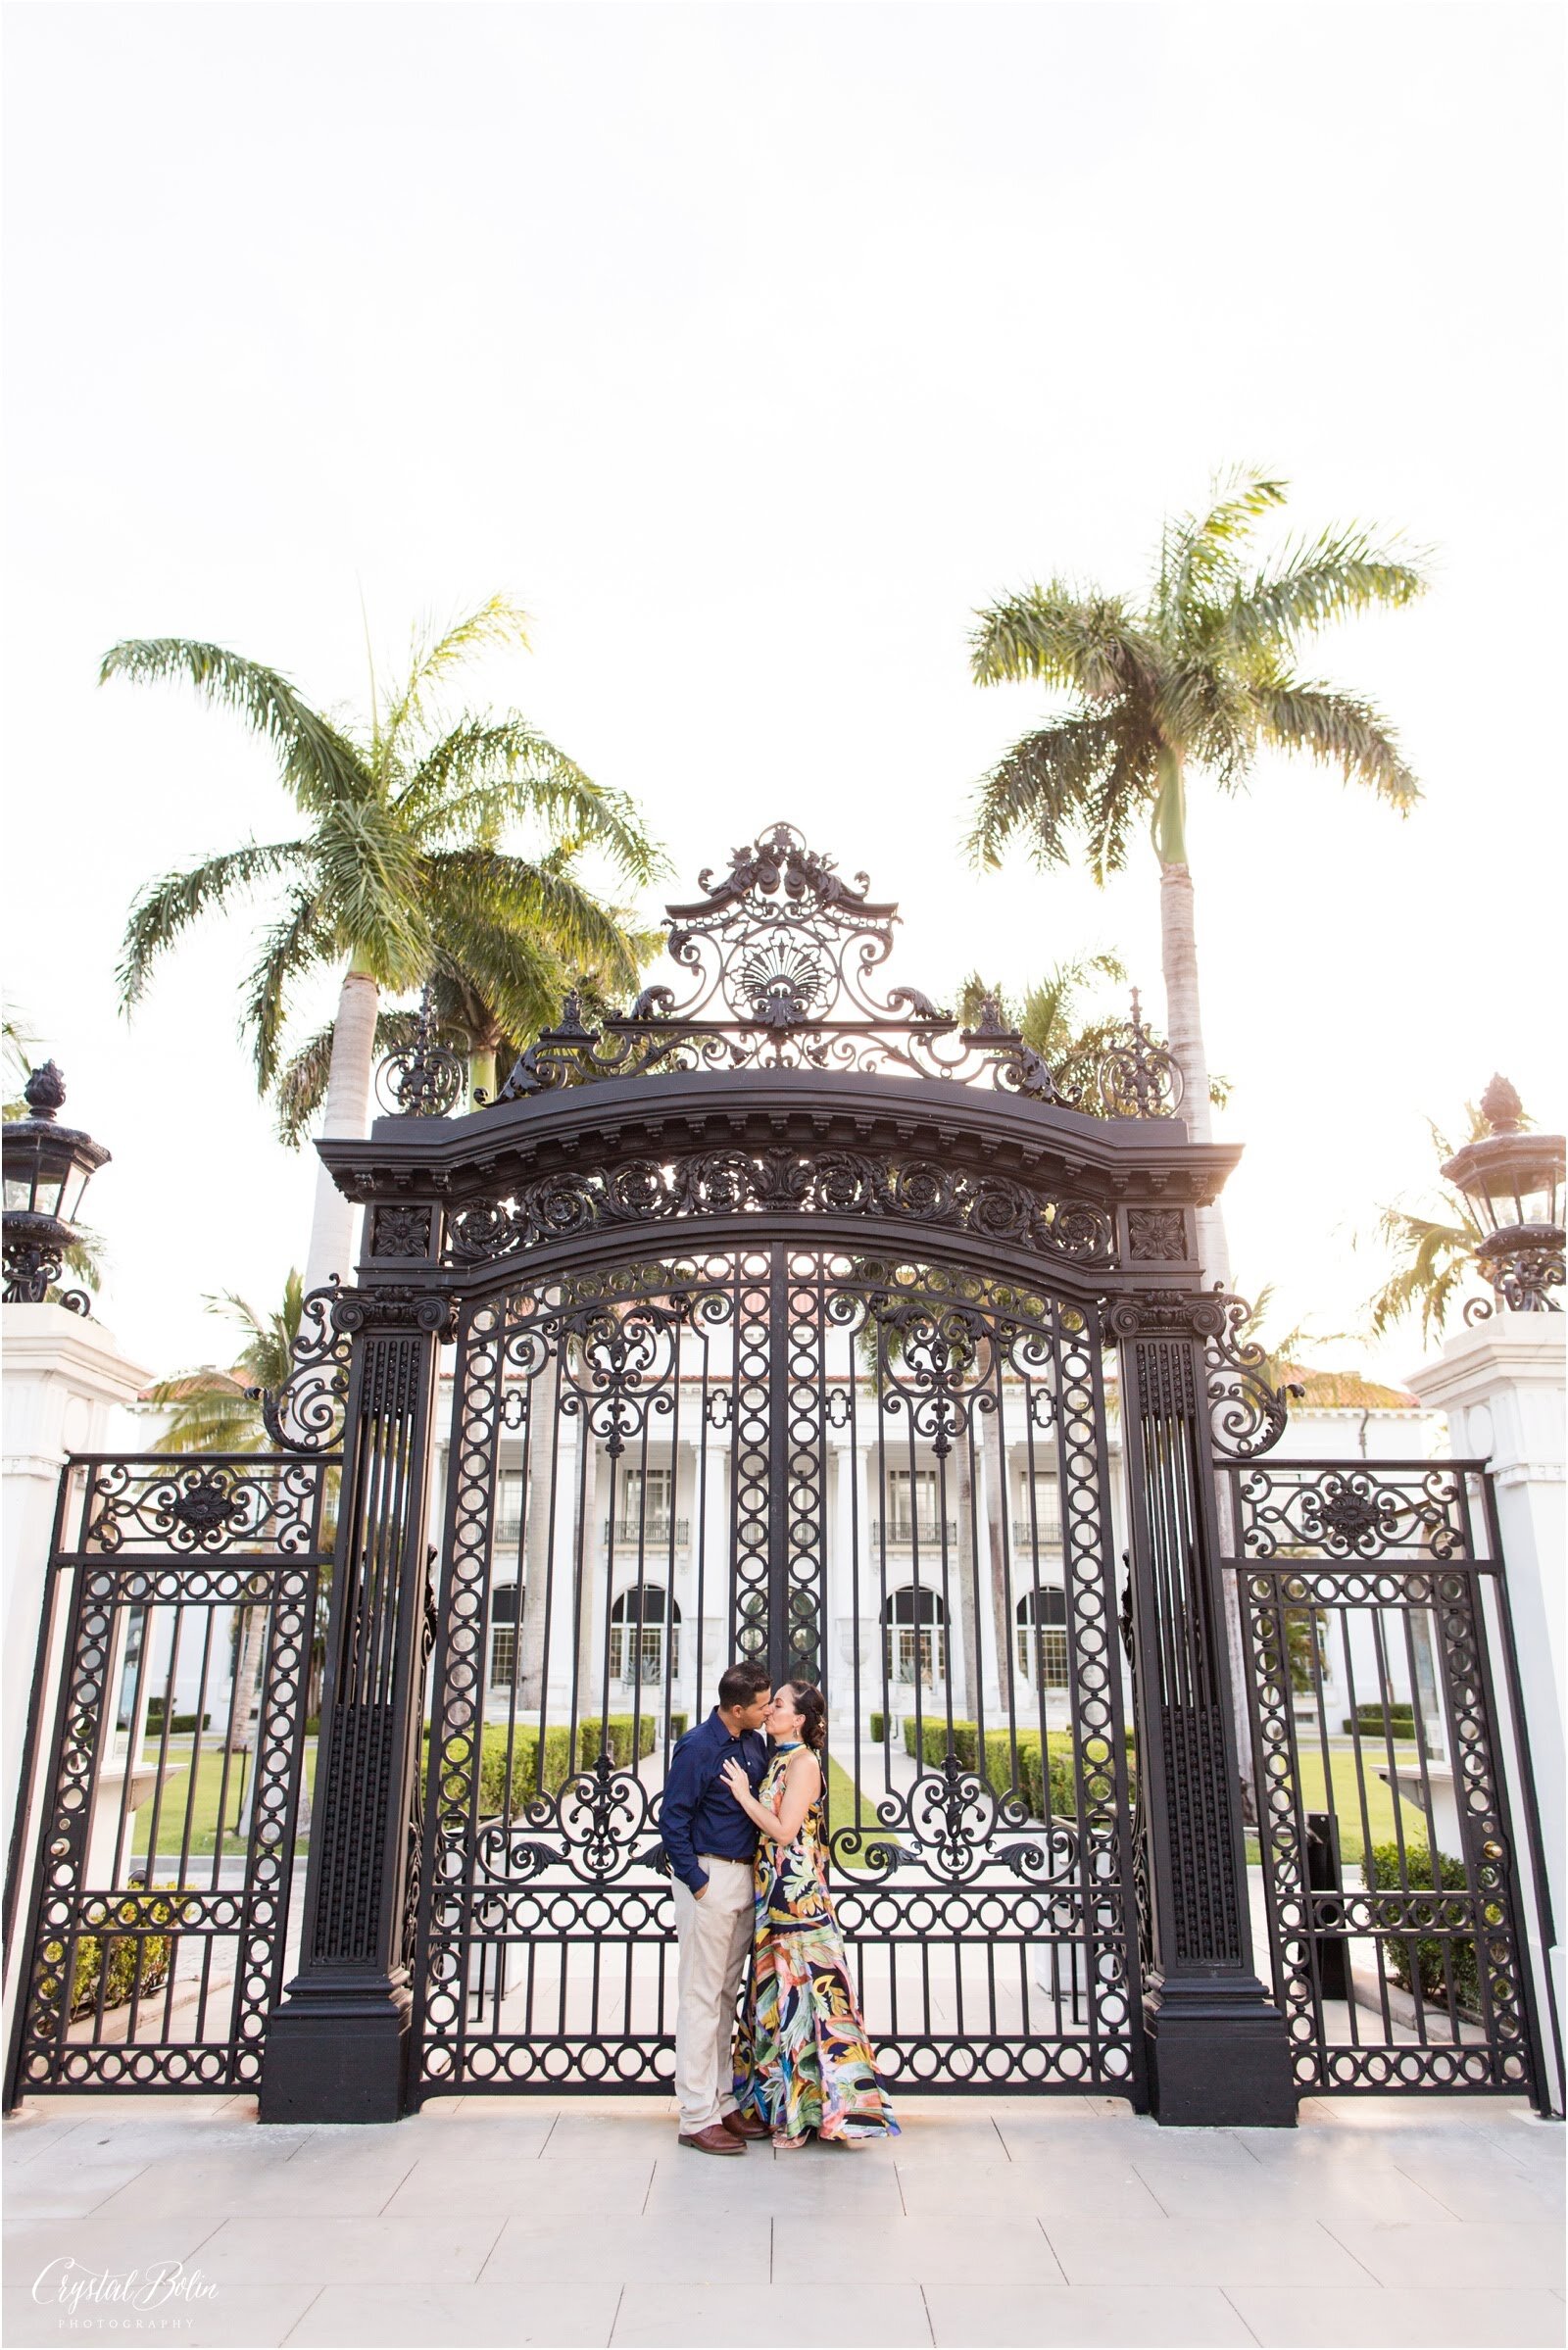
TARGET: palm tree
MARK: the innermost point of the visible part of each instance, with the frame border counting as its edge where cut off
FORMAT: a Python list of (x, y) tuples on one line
[(400, 857), (1053, 1020), (1434, 1253), (220, 1411), (216, 1411), (1200, 676), (489, 1013)]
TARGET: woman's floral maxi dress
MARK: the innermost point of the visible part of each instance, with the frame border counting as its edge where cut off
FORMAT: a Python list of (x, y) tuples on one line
[(802, 2057)]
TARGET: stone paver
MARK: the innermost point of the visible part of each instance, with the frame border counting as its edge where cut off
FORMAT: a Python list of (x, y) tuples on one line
[(1012, 2223)]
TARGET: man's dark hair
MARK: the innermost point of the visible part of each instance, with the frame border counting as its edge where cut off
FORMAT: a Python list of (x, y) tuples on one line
[(743, 1684)]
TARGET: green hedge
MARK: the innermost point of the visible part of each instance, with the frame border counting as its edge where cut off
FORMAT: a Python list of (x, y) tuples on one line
[(155, 1718), (1384, 1873), (527, 1781), (1400, 1719), (131, 1963), (998, 1762)]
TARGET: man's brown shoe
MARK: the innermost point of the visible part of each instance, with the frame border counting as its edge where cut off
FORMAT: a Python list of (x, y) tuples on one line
[(741, 2126), (714, 2139)]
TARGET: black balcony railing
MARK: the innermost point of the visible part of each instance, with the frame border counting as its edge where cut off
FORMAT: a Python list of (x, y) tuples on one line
[(902, 1534), (655, 1531), (1043, 1531)]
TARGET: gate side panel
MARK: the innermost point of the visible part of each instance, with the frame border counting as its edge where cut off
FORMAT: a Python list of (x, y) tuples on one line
[(1390, 1878), (156, 1943)]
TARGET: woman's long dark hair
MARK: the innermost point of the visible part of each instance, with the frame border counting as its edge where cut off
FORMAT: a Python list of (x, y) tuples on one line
[(811, 1706)]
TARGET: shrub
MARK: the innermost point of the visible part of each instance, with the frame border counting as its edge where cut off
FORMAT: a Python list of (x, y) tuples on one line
[(181, 1721), (1399, 1719), (1383, 1872), (127, 1965), (1031, 1766), (527, 1781)]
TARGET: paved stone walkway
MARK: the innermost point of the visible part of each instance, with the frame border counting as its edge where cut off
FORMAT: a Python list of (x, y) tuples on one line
[(1017, 2222)]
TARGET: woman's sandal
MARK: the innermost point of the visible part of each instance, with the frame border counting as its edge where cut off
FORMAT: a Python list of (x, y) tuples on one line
[(788, 2146)]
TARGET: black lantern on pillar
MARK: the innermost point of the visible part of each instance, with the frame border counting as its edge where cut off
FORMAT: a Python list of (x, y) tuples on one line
[(1514, 1179), (47, 1169)]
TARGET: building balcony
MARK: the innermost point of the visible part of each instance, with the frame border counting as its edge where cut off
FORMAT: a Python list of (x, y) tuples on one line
[(651, 1532), (1027, 1532), (902, 1534)]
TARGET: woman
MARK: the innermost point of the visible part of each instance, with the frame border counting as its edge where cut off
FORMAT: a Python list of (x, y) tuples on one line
[(801, 2058)]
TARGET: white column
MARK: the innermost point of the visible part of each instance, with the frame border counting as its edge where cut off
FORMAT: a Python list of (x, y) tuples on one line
[(1501, 1385), (66, 1381)]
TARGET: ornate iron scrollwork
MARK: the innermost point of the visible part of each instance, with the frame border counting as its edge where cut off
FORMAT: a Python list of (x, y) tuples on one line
[(994, 1207), (423, 1078), (778, 964), (1247, 1415), (306, 1414)]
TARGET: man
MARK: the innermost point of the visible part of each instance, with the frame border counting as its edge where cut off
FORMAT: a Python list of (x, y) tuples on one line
[(712, 1847)]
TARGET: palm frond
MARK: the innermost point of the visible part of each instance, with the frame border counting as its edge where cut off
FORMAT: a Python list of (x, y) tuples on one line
[(498, 620), (478, 889), (1311, 584), (291, 948), (1090, 644), (318, 764), (1433, 1260), (211, 1415), (169, 907), (1048, 787), (373, 881), (1339, 730), (490, 772), (1198, 550)]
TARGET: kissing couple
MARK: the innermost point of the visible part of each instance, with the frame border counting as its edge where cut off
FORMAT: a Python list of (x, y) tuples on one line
[(745, 1825)]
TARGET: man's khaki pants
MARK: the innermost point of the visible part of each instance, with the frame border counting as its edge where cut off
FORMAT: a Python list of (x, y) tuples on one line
[(716, 1941)]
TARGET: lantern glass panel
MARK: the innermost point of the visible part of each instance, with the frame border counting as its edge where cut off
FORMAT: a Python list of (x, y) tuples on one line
[(72, 1189), (18, 1192), (50, 1182)]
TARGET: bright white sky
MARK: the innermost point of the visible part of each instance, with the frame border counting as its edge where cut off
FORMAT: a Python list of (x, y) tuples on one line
[(752, 346)]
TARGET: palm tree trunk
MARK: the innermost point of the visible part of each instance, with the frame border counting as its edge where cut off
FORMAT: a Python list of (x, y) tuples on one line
[(247, 1673), (481, 1076), (348, 1111), (1184, 1021)]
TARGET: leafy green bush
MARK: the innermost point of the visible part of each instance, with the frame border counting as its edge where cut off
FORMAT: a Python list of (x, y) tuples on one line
[(1383, 1873), (128, 1964), (1032, 1768), (527, 1779), (1399, 1719), (181, 1721)]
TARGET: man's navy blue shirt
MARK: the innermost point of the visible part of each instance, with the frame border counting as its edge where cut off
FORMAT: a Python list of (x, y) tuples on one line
[(698, 1813)]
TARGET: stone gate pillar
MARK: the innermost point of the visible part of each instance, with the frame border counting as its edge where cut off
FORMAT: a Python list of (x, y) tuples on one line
[(1217, 2044), (337, 2046)]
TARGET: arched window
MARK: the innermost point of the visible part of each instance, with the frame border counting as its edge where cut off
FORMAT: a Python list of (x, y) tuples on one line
[(637, 1634), (915, 1638), (1042, 1637)]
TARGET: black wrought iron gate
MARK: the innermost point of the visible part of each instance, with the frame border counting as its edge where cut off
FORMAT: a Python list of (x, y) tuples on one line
[(776, 1318), (886, 1477)]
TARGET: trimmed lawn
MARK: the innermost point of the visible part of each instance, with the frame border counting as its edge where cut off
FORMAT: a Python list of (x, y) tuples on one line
[(1346, 1802), (843, 1803), (203, 1811)]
